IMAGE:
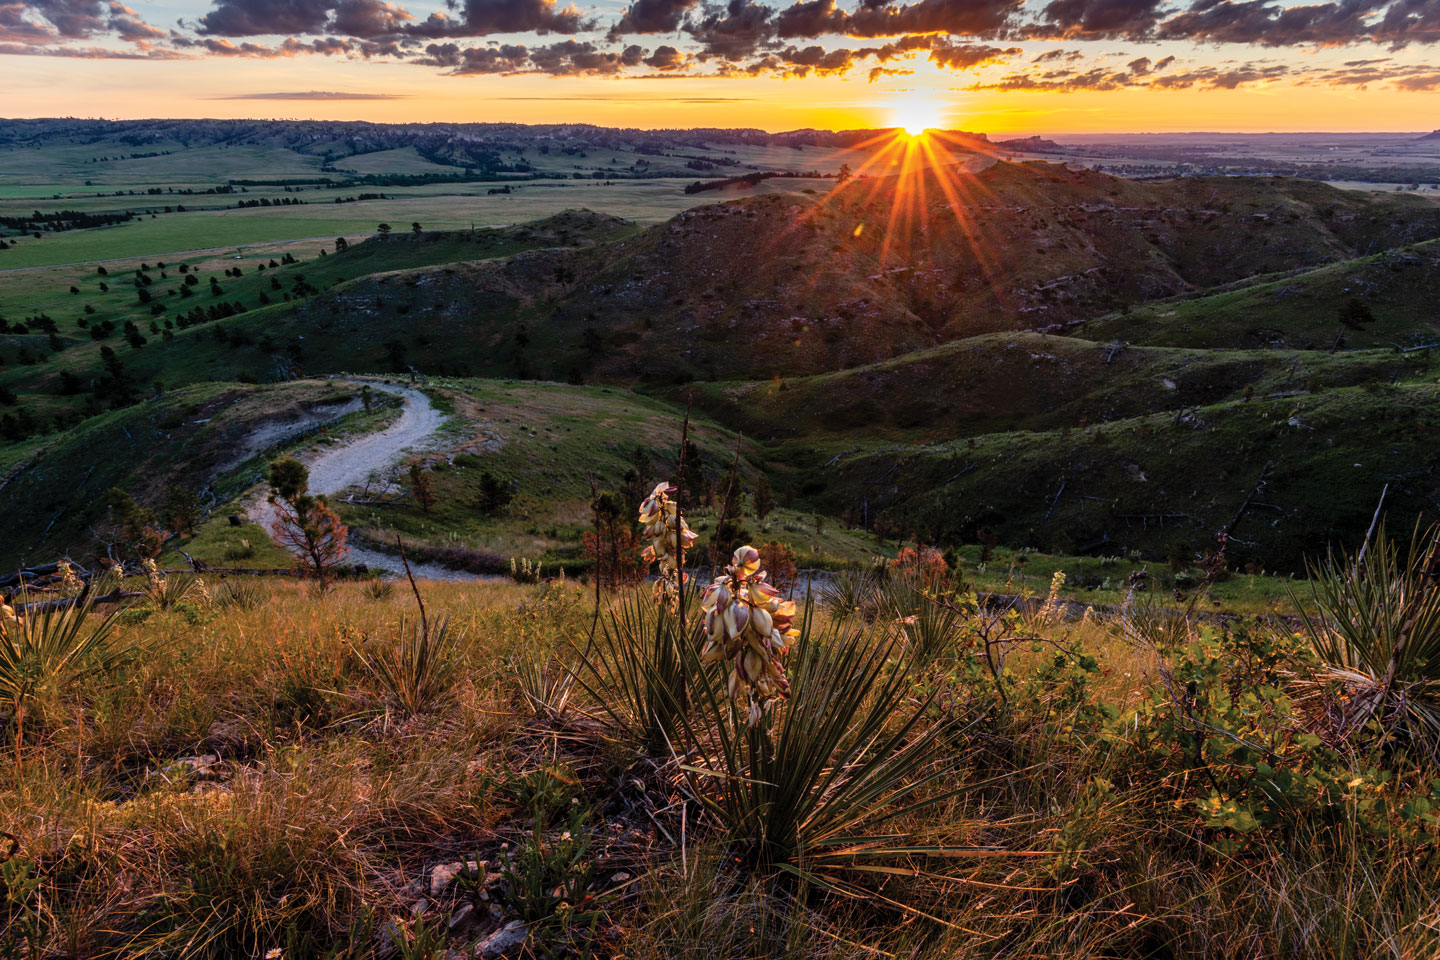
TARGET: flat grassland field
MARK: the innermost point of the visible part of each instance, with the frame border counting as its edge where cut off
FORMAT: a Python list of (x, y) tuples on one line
[(98, 178), (101, 178)]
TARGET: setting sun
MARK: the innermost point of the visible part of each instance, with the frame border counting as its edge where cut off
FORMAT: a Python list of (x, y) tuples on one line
[(915, 115)]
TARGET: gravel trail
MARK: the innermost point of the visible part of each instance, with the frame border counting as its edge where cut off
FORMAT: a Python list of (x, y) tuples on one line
[(336, 470)]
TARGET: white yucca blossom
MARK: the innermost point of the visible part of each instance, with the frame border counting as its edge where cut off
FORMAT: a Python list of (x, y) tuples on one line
[(152, 572), (747, 625), (1052, 601), (70, 584), (660, 515)]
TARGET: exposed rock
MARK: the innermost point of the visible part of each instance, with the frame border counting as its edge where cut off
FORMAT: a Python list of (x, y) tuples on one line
[(506, 938)]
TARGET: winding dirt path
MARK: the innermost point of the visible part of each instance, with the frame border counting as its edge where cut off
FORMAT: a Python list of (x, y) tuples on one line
[(336, 470)]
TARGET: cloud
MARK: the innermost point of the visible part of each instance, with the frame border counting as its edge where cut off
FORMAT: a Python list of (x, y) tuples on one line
[(1139, 73), (732, 32), (966, 18), (963, 56), (651, 16), (877, 73), (16, 29), (369, 18), (751, 38), (376, 19), (88, 53), (665, 58), (73, 19), (1096, 19), (250, 18), (315, 95)]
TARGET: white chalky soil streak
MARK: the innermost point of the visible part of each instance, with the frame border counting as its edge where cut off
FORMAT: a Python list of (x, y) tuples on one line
[(334, 470)]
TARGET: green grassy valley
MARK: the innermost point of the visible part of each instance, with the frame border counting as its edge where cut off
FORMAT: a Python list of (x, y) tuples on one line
[(888, 390)]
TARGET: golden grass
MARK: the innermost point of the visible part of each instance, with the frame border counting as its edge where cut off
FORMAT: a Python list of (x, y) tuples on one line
[(313, 816)]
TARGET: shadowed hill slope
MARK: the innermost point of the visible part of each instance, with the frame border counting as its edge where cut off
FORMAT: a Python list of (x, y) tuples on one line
[(1400, 289), (1024, 381), (775, 286)]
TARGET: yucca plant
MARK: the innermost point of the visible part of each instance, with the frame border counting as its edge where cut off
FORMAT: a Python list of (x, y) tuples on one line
[(850, 752), (166, 593), (546, 685), (50, 647), (239, 594), (850, 592), (1377, 626), (635, 669), (378, 588), (928, 627), (419, 668)]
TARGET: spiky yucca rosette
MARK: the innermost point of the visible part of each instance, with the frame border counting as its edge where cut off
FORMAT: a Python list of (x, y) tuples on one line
[(747, 625), (660, 515)]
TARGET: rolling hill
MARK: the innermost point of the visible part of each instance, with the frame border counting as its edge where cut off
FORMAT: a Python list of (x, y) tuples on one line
[(784, 286)]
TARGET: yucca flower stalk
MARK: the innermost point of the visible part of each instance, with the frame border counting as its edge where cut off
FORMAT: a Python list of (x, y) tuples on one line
[(70, 584), (670, 537), (748, 626), (153, 576), (1052, 609)]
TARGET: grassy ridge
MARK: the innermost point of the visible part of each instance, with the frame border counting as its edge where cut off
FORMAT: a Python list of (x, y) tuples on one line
[(205, 438), (1025, 381), (1297, 310), (194, 354), (1166, 484)]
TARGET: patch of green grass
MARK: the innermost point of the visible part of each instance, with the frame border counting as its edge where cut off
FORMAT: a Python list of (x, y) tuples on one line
[(276, 343), (1167, 484), (1025, 381), (1297, 310)]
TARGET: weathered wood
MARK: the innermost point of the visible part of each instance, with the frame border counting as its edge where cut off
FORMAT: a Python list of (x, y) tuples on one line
[(44, 606)]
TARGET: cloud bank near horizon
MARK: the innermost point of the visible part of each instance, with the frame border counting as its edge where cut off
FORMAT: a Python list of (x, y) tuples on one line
[(1198, 44)]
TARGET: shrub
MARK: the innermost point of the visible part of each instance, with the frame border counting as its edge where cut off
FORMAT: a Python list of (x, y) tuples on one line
[(305, 524), (1377, 628), (779, 561), (849, 750), (50, 647), (419, 668)]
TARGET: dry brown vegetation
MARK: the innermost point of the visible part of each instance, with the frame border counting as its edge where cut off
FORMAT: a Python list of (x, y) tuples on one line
[(252, 782)]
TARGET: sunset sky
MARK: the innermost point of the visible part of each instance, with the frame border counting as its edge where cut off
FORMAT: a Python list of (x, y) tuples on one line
[(1001, 66)]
